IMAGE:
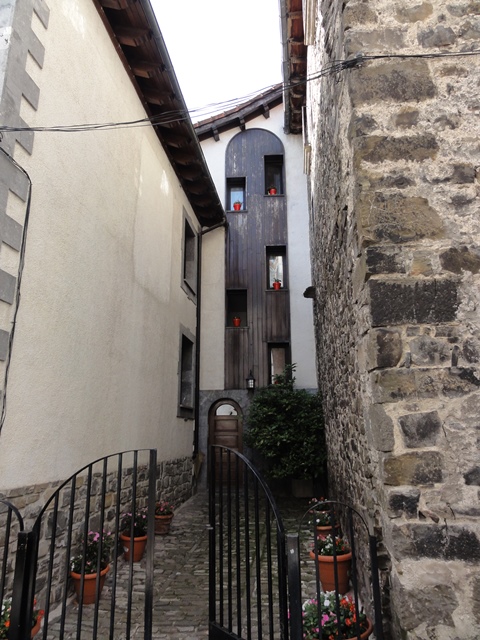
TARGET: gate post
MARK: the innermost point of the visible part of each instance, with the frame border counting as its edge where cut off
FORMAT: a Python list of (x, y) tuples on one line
[(23, 586), (294, 586)]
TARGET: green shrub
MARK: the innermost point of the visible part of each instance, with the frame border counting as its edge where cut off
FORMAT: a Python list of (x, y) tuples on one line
[(286, 427)]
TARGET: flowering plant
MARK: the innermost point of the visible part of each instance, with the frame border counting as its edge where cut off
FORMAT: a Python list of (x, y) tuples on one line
[(92, 551), (5, 616), (139, 519), (164, 509), (321, 512), (329, 627), (326, 544)]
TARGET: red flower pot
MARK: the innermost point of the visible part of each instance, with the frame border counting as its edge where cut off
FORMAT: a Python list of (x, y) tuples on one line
[(162, 524), (272, 191), (237, 206), (277, 285), (236, 322), (326, 568)]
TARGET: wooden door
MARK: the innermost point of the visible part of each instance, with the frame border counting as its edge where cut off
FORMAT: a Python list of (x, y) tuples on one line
[(226, 430)]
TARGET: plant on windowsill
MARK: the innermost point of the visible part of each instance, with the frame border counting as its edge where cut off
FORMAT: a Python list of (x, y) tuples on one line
[(277, 284), (237, 205), (272, 191), (134, 525)]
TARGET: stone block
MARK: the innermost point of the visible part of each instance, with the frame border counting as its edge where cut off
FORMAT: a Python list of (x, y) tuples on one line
[(463, 173), (415, 13), (460, 259), (439, 37), (433, 602), (459, 9), (448, 543), (391, 385), (404, 503), (405, 81), (378, 181), (471, 350), (430, 351), (413, 468), (381, 428), (420, 429), (384, 348), (386, 39), (470, 30), (411, 301), (392, 217), (361, 125), (384, 260), (476, 599), (407, 118), (472, 477), (356, 14), (378, 149)]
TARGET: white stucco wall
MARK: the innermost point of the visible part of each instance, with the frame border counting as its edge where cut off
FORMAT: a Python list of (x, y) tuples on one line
[(95, 358), (303, 352)]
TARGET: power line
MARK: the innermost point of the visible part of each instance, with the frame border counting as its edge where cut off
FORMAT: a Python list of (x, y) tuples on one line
[(180, 115)]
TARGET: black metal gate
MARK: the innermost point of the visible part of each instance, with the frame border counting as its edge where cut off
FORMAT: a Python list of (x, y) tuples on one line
[(265, 584), (248, 578), (35, 569)]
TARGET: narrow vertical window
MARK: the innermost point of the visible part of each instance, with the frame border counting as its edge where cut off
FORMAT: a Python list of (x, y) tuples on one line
[(189, 257), (274, 175), (278, 356), (187, 377), (236, 198), (276, 267)]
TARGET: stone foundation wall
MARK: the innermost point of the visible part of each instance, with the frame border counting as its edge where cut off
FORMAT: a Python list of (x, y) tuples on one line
[(173, 483), (396, 262)]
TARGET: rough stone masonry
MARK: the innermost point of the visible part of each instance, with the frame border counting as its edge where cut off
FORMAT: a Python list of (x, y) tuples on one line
[(395, 233)]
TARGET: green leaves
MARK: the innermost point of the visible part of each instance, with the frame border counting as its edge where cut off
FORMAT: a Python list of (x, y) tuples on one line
[(285, 426)]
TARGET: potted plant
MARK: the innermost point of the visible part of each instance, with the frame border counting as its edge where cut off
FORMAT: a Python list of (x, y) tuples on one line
[(236, 321), (277, 284), (320, 619), (329, 565), (134, 525), (163, 517), (272, 191), (237, 205), (37, 616), (322, 515), (95, 554)]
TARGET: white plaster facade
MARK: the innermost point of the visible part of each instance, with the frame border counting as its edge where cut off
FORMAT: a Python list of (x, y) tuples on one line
[(95, 359)]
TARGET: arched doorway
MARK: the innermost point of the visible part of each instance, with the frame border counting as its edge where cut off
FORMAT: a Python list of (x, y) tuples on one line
[(225, 421)]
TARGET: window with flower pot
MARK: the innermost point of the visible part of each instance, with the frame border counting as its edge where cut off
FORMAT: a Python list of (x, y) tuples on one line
[(276, 267), (186, 375), (274, 175), (236, 200), (236, 308)]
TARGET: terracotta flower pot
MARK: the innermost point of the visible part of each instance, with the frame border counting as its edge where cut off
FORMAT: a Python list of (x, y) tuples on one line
[(277, 285), (162, 524), (325, 531), (36, 626), (237, 206), (326, 568), (366, 633), (236, 322), (272, 191), (139, 545), (89, 584)]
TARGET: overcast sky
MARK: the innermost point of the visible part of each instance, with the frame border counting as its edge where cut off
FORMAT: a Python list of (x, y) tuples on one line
[(220, 49)]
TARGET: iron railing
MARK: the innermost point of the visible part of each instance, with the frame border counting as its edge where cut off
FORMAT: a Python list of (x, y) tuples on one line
[(94, 498)]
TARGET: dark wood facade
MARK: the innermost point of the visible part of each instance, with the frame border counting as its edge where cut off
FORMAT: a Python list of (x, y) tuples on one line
[(260, 226)]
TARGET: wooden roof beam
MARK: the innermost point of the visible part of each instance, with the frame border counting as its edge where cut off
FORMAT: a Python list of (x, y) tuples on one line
[(132, 36), (117, 4), (144, 69)]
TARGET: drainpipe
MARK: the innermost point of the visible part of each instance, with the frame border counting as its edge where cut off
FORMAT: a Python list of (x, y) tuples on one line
[(285, 64)]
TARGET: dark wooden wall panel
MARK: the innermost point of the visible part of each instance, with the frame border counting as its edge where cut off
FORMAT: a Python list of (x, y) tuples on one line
[(262, 224)]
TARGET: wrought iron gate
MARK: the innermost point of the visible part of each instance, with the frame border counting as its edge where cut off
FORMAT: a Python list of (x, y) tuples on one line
[(36, 563), (257, 571), (248, 579)]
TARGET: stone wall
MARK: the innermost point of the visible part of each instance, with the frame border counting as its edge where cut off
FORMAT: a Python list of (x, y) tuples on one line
[(396, 261)]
